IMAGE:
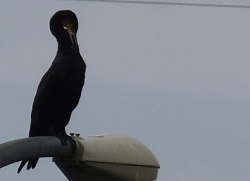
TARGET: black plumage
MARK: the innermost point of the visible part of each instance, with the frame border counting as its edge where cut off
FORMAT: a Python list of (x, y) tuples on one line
[(59, 90)]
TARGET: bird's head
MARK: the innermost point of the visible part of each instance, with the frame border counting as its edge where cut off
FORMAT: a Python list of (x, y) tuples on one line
[(64, 26)]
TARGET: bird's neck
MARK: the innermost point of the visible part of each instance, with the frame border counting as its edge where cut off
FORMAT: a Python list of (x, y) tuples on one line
[(67, 49)]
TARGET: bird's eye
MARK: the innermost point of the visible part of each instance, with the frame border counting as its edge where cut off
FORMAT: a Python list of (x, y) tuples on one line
[(68, 26)]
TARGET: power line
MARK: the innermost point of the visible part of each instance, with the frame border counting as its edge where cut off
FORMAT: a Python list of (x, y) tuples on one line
[(172, 3)]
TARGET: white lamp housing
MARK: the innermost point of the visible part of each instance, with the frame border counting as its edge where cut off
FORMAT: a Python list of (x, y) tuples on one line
[(110, 158)]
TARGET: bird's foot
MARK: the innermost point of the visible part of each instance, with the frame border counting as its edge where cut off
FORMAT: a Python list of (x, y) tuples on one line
[(64, 138)]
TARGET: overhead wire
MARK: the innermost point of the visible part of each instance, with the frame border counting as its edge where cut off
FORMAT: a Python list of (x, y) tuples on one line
[(172, 3)]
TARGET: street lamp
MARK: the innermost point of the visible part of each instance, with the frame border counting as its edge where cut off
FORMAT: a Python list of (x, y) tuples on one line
[(109, 158)]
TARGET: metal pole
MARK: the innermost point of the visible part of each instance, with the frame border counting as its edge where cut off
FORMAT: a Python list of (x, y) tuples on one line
[(27, 148)]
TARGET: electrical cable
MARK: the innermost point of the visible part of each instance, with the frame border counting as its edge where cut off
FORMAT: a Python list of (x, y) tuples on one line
[(172, 3)]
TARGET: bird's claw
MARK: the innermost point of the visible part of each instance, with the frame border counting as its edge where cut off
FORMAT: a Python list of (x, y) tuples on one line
[(65, 138)]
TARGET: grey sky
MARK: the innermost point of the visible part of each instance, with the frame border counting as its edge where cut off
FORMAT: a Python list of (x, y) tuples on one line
[(176, 78)]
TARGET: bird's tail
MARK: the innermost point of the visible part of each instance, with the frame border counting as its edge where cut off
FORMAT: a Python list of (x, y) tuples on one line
[(31, 164)]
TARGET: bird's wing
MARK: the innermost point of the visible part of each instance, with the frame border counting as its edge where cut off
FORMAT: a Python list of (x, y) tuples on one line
[(48, 89)]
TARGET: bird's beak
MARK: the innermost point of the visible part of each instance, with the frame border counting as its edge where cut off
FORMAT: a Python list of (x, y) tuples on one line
[(71, 33)]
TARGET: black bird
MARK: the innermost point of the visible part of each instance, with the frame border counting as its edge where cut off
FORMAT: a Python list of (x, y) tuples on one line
[(60, 88)]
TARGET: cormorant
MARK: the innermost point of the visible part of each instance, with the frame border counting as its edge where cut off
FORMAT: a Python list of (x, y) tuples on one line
[(60, 88)]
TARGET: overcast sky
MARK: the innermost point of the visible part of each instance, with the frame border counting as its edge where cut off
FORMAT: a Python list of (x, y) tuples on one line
[(177, 78)]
